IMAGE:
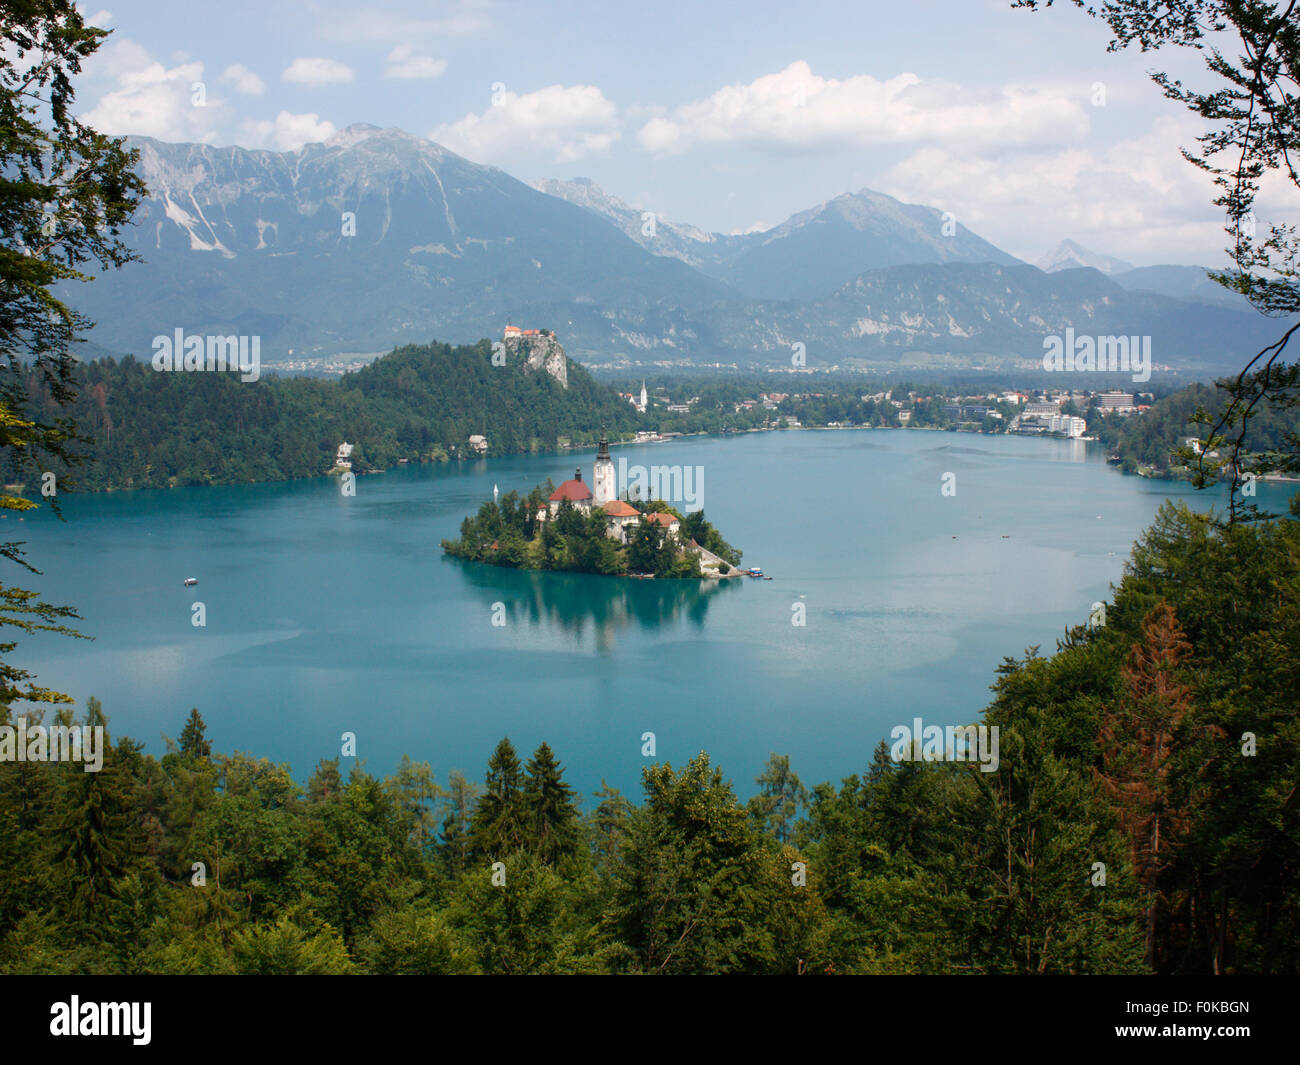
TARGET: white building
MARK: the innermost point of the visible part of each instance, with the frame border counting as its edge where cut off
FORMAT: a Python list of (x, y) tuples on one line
[(666, 522), (604, 479), (1069, 425), (620, 518)]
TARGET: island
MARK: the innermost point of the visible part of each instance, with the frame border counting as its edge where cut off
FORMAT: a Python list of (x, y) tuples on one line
[(576, 529)]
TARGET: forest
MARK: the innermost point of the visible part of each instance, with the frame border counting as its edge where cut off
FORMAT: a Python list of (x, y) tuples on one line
[(143, 429), (135, 428), (1155, 441), (1144, 818)]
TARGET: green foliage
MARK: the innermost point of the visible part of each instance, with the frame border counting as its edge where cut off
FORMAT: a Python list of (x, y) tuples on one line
[(1178, 711), (693, 892), (508, 534), (780, 800), (1156, 442), (419, 403), (66, 192), (284, 949), (550, 815), (499, 820)]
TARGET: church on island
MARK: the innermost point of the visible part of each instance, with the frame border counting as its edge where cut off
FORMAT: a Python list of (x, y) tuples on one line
[(602, 494)]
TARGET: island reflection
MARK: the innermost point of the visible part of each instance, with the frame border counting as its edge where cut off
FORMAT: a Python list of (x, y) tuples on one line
[(576, 603)]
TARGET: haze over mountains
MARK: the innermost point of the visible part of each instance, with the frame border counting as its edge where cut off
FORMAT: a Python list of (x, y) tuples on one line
[(378, 237), (1070, 255), (810, 255), (1181, 282)]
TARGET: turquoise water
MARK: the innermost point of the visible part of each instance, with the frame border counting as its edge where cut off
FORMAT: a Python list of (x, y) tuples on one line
[(327, 614)]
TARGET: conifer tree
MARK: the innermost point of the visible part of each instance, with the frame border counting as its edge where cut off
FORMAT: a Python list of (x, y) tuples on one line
[(550, 816), (193, 744), (93, 833), (498, 825)]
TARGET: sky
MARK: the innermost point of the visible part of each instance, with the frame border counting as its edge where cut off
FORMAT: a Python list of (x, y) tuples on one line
[(727, 116)]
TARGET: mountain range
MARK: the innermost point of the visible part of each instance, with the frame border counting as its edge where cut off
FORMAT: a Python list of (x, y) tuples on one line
[(811, 254), (377, 237)]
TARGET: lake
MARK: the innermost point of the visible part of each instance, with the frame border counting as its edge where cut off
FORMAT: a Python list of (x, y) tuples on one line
[(328, 614)]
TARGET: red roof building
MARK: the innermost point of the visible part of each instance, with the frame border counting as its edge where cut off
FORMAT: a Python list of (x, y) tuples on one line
[(575, 491), (666, 520)]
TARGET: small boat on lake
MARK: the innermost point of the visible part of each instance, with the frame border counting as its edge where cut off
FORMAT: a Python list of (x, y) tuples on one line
[(191, 581), (754, 571)]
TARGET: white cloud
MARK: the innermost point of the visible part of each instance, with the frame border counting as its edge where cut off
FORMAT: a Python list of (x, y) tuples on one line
[(796, 109), (1136, 199), (288, 132), (244, 80), (152, 100), (561, 122), (316, 72), (102, 19), (402, 63), (149, 99)]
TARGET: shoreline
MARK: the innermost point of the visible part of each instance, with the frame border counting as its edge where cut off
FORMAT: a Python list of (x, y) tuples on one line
[(568, 448)]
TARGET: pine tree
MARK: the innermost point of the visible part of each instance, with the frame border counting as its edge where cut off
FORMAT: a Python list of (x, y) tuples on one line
[(498, 825), (193, 745), (93, 830), (550, 816)]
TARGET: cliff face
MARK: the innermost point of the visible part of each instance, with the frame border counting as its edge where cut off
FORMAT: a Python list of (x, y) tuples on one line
[(540, 353)]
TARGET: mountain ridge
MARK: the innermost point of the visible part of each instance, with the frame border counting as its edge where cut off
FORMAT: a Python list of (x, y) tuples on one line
[(378, 238)]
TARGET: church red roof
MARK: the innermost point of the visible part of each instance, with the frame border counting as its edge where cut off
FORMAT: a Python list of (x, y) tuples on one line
[(574, 491)]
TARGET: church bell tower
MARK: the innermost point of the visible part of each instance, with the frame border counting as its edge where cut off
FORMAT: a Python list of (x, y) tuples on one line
[(604, 482)]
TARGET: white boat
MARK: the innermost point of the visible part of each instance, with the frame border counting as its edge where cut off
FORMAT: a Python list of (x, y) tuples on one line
[(191, 581)]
